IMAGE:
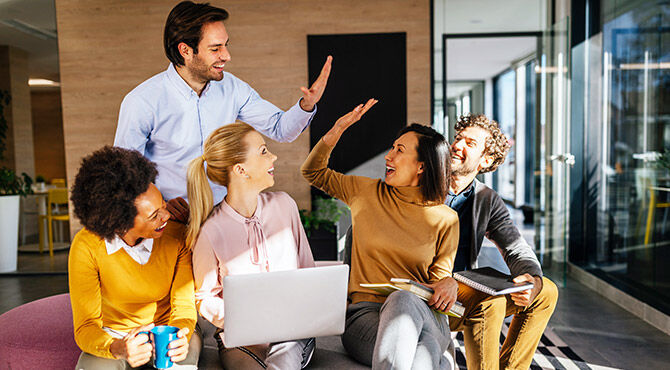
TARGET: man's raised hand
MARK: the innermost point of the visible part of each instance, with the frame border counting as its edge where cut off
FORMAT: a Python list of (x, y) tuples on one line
[(312, 95)]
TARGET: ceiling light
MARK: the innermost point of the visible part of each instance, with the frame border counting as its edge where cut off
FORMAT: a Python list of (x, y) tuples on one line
[(42, 82), (661, 65), (549, 69)]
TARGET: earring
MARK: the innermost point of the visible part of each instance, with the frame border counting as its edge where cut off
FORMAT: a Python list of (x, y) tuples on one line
[(247, 177)]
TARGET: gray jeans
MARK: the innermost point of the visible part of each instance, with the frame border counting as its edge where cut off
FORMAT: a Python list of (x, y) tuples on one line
[(402, 333), (88, 361), (289, 355)]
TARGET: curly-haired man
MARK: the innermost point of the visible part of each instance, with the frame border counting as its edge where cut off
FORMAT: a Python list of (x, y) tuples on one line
[(479, 147)]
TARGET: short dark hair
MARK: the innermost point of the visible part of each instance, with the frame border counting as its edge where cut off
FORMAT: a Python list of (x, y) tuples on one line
[(184, 24), (433, 151), (105, 189), (497, 144)]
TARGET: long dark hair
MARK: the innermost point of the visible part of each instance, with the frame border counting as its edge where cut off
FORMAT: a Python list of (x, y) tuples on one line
[(184, 24), (433, 150)]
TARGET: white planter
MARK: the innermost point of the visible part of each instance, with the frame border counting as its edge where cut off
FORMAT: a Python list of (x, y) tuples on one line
[(9, 232)]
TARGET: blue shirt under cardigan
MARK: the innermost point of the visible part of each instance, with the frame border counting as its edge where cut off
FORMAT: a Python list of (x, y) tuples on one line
[(166, 121), (462, 204)]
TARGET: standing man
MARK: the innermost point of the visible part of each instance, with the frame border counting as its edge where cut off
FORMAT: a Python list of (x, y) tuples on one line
[(169, 116), (480, 147)]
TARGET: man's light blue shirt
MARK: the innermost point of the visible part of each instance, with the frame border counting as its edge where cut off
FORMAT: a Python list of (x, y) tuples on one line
[(166, 121)]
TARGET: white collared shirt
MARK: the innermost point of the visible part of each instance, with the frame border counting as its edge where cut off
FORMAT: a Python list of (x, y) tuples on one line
[(140, 253)]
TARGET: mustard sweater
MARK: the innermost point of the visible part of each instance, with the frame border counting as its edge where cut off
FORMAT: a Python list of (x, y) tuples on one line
[(117, 292), (395, 234)]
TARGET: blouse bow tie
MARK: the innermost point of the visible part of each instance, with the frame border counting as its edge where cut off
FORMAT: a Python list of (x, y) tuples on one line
[(256, 241)]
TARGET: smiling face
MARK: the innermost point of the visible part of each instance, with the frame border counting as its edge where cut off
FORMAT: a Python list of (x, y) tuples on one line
[(402, 165), (467, 151), (259, 163), (152, 216), (208, 63)]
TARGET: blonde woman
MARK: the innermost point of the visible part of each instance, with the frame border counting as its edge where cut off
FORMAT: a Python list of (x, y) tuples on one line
[(248, 232)]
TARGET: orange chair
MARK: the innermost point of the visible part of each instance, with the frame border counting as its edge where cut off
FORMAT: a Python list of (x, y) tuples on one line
[(56, 199)]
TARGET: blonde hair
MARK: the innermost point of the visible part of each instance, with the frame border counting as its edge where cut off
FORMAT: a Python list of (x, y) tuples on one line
[(222, 150)]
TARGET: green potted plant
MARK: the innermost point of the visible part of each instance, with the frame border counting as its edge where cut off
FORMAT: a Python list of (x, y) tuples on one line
[(40, 183), (321, 228), (11, 188)]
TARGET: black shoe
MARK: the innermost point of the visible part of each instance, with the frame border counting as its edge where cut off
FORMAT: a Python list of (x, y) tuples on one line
[(307, 352)]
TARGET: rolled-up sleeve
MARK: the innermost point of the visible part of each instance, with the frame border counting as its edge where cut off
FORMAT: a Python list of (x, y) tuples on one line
[(269, 120)]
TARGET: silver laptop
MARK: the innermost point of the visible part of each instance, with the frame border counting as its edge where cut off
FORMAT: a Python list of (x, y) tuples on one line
[(284, 305)]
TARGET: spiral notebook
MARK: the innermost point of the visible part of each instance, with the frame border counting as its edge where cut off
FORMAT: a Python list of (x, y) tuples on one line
[(490, 281)]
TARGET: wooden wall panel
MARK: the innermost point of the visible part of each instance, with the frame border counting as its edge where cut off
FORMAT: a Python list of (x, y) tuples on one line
[(14, 78), (109, 47), (48, 133)]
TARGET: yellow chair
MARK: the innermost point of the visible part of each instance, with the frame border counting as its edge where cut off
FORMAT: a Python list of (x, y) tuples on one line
[(59, 183), (56, 197), (653, 204)]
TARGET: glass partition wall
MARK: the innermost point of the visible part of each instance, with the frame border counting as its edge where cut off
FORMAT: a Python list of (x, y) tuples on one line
[(554, 160), (625, 100)]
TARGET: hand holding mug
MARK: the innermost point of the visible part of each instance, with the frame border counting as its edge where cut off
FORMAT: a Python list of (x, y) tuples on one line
[(178, 348), (134, 347)]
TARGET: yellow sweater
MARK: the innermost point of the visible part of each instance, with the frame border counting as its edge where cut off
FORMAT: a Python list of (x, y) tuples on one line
[(395, 234), (117, 292)]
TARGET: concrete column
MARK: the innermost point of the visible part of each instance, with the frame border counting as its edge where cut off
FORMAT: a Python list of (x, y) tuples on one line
[(19, 154)]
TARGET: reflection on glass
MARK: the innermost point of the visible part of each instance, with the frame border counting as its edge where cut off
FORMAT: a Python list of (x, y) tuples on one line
[(629, 240), (504, 111)]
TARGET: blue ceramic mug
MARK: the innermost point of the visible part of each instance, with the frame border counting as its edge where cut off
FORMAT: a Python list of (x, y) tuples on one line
[(161, 336)]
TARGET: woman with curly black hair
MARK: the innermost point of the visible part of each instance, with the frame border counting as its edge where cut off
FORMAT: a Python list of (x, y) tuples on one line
[(129, 268)]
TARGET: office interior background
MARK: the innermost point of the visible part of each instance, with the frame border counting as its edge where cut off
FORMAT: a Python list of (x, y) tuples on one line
[(582, 89)]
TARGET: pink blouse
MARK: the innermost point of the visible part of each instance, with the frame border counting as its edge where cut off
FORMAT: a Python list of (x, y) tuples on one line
[(273, 239)]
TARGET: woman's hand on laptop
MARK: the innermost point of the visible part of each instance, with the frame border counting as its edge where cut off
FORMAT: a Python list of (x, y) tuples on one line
[(135, 347), (444, 294), (179, 347)]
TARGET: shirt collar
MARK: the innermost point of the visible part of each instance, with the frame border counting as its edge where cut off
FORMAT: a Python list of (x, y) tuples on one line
[(178, 82), (117, 243), (467, 192), (238, 217)]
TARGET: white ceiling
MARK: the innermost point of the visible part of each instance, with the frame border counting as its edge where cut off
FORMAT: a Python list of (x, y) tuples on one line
[(483, 58), (42, 54), (478, 58), (480, 16)]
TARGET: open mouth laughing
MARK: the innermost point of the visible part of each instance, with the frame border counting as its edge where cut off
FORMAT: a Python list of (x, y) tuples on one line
[(162, 227), (219, 67)]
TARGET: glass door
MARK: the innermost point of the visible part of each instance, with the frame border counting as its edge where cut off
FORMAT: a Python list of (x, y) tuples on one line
[(552, 170)]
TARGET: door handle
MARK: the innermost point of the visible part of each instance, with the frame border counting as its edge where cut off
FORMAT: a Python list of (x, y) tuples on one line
[(566, 158)]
